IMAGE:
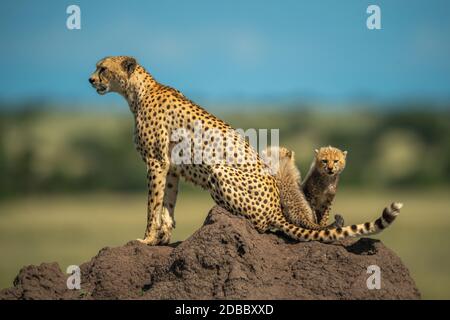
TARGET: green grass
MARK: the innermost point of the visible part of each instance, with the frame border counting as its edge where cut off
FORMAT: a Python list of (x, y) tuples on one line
[(71, 229)]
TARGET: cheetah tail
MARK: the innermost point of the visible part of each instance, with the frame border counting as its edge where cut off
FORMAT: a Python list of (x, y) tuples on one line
[(356, 230)]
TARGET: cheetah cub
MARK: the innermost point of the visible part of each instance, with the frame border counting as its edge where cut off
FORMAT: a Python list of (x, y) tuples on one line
[(320, 184), (318, 189), (296, 207)]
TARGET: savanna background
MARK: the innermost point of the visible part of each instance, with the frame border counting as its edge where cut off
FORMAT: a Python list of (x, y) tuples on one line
[(71, 181)]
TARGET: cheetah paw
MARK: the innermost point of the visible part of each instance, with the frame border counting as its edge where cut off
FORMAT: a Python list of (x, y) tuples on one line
[(338, 221), (148, 241)]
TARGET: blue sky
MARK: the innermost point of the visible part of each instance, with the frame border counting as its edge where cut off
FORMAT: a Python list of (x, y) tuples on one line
[(232, 50)]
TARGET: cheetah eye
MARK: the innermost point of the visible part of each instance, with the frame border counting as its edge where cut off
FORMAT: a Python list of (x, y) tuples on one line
[(336, 161), (101, 70), (324, 161)]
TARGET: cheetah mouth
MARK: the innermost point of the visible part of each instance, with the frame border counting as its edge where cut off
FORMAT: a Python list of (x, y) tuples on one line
[(101, 89)]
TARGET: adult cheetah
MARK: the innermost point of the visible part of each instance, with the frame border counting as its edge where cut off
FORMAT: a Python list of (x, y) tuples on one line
[(237, 179)]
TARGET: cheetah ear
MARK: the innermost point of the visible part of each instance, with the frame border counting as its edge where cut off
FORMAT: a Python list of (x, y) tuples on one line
[(345, 153), (288, 153), (316, 151), (292, 155), (129, 64)]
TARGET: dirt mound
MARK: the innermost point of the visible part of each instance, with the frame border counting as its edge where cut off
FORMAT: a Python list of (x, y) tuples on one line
[(226, 259)]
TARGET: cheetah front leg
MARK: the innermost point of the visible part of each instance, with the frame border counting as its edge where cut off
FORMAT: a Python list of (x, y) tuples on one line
[(156, 180), (170, 199)]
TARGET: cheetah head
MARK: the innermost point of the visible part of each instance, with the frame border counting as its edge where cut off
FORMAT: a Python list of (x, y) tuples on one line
[(112, 74), (330, 160)]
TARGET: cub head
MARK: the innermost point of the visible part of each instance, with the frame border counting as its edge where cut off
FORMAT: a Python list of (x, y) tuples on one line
[(286, 154), (112, 74), (330, 161), (281, 158), (279, 152)]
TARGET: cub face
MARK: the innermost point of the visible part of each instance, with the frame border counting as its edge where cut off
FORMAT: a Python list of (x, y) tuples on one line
[(330, 161), (112, 74)]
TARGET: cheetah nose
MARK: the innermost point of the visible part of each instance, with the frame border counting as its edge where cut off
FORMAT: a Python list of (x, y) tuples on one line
[(91, 80)]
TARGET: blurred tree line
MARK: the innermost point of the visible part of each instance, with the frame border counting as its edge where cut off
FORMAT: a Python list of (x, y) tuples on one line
[(49, 151)]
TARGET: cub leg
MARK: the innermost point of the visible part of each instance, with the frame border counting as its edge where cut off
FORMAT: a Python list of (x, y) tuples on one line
[(324, 214)]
